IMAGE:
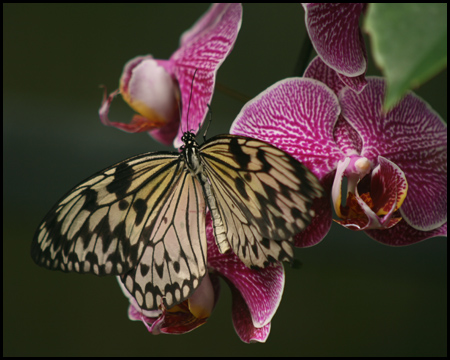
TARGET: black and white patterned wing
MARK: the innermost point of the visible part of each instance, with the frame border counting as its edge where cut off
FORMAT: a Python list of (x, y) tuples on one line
[(174, 261), (262, 194), (98, 227)]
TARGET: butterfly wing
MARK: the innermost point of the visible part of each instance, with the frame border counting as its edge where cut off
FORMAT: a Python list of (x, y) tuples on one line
[(262, 194), (174, 261), (109, 224), (97, 227)]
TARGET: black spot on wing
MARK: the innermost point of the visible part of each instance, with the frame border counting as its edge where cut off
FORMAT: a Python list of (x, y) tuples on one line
[(297, 214), (160, 269), (123, 204), (144, 269), (240, 186), (122, 180), (260, 155), (90, 203), (266, 243), (140, 206), (242, 158)]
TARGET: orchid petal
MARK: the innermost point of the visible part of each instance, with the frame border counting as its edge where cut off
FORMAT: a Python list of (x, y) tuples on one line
[(336, 37), (243, 322), (181, 318), (363, 212), (261, 289), (412, 136), (357, 83), (106, 104), (347, 138), (374, 221), (318, 70), (297, 115), (389, 185), (360, 216), (367, 219), (150, 90), (320, 224), (202, 50), (402, 234), (147, 87), (201, 303)]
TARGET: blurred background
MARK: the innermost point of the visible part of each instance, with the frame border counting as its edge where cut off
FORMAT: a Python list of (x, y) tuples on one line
[(352, 296)]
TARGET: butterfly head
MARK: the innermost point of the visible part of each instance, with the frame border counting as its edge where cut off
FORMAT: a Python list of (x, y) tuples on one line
[(188, 139)]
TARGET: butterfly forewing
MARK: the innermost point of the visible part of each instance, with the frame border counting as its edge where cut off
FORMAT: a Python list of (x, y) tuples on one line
[(98, 226), (264, 196)]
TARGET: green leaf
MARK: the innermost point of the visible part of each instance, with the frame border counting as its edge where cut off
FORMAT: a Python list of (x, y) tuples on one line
[(409, 44)]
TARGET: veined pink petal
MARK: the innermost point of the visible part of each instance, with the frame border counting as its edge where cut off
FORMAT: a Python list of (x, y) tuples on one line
[(242, 320), (261, 289), (296, 115), (321, 223), (413, 137), (203, 49), (334, 32), (388, 186), (357, 83), (318, 70), (347, 138), (402, 234)]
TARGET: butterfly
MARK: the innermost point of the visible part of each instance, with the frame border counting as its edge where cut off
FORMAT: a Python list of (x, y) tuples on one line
[(143, 219)]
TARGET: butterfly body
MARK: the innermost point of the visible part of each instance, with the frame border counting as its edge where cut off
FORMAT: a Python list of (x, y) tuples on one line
[(144, 218)]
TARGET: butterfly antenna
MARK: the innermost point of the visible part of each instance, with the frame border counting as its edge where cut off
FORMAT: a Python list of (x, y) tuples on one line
[(209, 122), (190, 97)]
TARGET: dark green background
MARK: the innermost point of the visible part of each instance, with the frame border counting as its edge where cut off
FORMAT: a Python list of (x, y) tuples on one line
[(352, 297)]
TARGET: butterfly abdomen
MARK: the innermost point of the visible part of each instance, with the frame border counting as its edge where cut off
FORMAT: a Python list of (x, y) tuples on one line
[(194, 163)]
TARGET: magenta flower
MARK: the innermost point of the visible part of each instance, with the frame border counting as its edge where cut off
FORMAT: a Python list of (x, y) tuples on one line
[(256, 295), (395, 163), (155, 88), (335, 34)]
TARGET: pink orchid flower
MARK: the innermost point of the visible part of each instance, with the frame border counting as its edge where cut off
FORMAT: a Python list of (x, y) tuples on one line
[(335, 34), (256, 295), (155, 89), (395, 163)]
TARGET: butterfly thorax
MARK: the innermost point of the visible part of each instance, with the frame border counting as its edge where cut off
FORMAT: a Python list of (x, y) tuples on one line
[(191, 153)]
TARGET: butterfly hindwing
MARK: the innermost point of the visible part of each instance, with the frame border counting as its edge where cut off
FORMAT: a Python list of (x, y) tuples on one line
[(263, 196), (174, 261)]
